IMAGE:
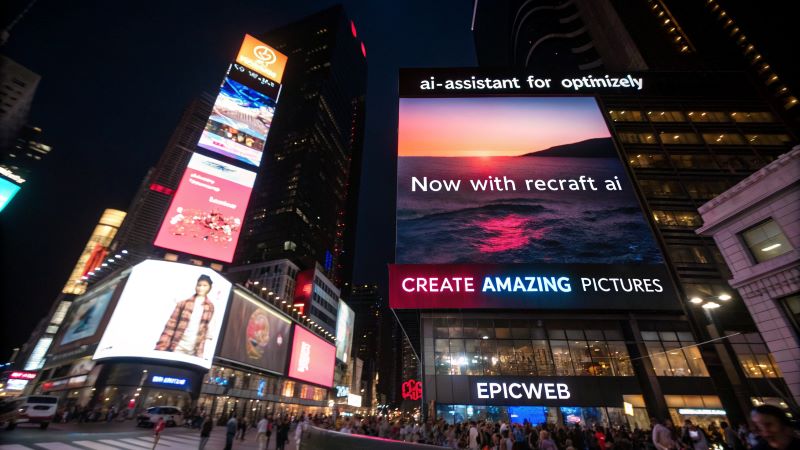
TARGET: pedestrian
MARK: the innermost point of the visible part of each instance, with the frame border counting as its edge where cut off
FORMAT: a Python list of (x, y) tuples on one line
[(283, 435), (261, 430), (205, 430), (230, 432), (242, 427), (774, 428), (157, 429)]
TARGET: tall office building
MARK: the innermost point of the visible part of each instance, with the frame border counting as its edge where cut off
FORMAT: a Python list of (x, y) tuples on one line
[(370, 336), (17, 87), (303, 205), (698, 128)]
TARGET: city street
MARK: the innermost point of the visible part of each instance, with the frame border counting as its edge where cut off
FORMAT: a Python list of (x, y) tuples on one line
[(116, 435)]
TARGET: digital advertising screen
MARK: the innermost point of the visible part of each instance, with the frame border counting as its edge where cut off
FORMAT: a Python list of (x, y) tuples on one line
[(167, 311), (313, 359), (260, 57), (7, 192), (239, 121), (256, 335), (205, 217), (345, 322), (86, 313), (518, 202)]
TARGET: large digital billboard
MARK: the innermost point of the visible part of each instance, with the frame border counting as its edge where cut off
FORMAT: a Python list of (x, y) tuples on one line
[(7, 191), (518, 202), (167, 311), (205, 217), (313, 359), (345, 321), (262, 58), (86, 313), (255, 334), (239, 121)]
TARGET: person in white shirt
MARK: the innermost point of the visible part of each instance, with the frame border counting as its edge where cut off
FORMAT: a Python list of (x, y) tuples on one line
[(261, 436), (473, 436)]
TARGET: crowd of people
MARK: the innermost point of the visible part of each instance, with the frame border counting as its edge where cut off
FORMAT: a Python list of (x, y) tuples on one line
[(771, 429)]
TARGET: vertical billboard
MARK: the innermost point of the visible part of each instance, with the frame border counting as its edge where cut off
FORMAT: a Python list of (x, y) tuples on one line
[(518, 202), (345, 321), (7, 192), (86, 313), (167, 311), (205, 217), (313, 359), (255, 334)]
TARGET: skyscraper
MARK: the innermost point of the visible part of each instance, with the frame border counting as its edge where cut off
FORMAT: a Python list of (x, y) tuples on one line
[(303, 205)]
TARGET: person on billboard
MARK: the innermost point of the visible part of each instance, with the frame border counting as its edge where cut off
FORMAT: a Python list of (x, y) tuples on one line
[(186, 329)]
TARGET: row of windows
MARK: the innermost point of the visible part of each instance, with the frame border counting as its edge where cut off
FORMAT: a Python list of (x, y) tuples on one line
[(691, 116), (655, 160), (700, 190), (263, 385), (689, 138)]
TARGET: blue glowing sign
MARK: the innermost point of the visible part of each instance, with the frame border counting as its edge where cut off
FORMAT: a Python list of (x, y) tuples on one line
[(7, 191), (158, 379)]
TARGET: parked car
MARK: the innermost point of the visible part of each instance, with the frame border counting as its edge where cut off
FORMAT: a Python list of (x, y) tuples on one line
[(38, 409), (172, 415)]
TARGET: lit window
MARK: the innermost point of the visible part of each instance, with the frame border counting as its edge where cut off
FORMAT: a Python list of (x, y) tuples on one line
[(766, 241), (708, 116), (666, 116), (723, 139), (768, 139), (626, 116)]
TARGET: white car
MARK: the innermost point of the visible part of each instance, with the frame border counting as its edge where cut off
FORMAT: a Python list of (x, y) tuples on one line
[(38, 409), (173, 417)]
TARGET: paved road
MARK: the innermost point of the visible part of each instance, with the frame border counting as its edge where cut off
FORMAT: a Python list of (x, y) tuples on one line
[(117, 436)]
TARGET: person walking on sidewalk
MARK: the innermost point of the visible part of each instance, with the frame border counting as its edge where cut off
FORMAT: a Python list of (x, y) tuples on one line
[(262, 438), (230, 432), (205, 430), (157, 429)]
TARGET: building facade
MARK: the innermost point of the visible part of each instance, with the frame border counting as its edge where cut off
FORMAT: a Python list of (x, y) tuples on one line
[(756, 225), (303, 206)]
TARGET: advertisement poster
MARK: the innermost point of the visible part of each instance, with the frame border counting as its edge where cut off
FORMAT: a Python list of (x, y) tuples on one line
[(255, 335), (313, 359), (345, 322), (239, 122), (205, 217), (86, 313), (260, 57), (168, 311), (517, 181)]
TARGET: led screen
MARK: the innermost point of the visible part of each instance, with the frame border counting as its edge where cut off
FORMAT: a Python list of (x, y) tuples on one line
[(255, 335), (86, 313), (7, 191), (312, 359), (262, 58), (345, 320), (167, 311), (534, 184), (205, 217), (239, 122)]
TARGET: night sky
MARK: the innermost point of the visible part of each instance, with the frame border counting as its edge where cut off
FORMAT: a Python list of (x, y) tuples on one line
[(116, 77)]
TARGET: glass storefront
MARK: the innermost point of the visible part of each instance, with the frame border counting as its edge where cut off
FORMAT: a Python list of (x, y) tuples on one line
[(535, 415)]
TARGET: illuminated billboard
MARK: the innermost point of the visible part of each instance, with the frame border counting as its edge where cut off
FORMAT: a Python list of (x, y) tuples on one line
[(255, 335), (260, 57), (518, 202), (345, 321), (7, 191), (86, 313), (167, 311), (239, 121), (313, 359), (205, 217), (95, 252)]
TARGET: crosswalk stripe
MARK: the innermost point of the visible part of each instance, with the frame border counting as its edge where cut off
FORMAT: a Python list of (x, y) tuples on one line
[(180, 440), (125, 445), (14, 447), (56, 446), (94, 445), (142, 442)]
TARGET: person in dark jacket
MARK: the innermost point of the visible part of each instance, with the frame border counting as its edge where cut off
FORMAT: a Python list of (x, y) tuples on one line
[(230, 432), (205, 430), (283, 435)]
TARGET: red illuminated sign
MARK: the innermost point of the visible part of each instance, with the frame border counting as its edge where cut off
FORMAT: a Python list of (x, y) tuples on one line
[(22, 375), (412, 390), (312, 358), (206, 214), (304, 286)]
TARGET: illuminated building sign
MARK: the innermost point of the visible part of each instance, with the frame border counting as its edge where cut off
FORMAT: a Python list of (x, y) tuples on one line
[(412, 390), (206, 214), (518, 201), (354, 400), (18, 375), (342, 391), (313, 359), (529, 391), (95, 251), (547, 391), (16, 385), (521, 286), (262, 58), (701, 412), (158, 379), (7, 191)]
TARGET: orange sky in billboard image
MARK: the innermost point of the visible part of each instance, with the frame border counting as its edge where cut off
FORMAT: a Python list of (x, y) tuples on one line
[(495, 126), (262, 58)]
